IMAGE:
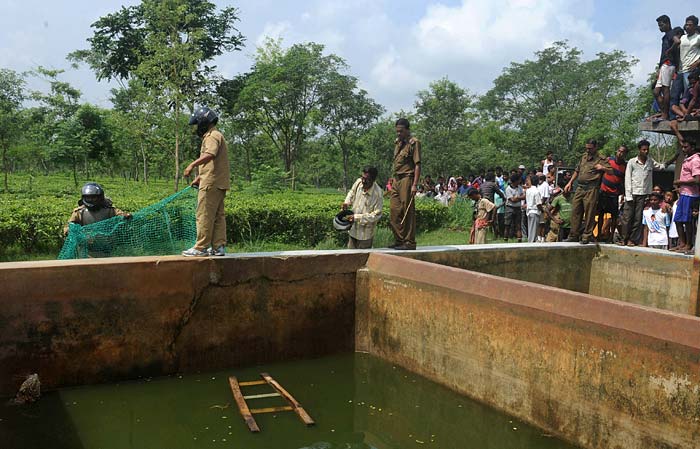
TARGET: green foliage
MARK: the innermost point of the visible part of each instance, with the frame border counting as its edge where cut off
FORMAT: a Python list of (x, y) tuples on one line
[(282, 93), (445, 114), (11, 96), (33, 222), (558, 100)]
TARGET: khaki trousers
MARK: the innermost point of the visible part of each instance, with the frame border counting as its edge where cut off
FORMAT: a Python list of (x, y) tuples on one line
[(404, 234), (211, 221), (583, 208)]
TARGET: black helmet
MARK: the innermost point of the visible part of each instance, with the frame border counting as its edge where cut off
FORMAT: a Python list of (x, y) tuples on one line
[(92, 195), (203, 117), (340, 223)]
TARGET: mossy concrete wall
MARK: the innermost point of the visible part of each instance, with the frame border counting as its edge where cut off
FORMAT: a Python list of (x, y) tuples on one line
[(83, 322), (643, 276), (599, 373)]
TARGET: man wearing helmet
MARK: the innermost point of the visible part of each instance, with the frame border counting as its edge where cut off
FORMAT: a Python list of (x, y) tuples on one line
[(366, 199), (214, 180), (93, 207)]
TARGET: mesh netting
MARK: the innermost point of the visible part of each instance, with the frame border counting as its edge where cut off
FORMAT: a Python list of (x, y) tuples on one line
[(166, 227)]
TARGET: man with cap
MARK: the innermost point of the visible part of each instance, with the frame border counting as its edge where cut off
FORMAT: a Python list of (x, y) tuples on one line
[(588, 173), (407, 159), (366, 199), (214, 180)]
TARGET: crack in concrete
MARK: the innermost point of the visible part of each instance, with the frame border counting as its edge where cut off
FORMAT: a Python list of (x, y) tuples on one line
[(216, 281)]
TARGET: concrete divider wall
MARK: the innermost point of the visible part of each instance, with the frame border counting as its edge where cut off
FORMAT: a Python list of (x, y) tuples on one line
[(565, 265), (648, 277), (597, 372), (83, 322)]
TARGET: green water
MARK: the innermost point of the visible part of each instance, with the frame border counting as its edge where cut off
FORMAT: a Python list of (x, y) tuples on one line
[(357, 401)]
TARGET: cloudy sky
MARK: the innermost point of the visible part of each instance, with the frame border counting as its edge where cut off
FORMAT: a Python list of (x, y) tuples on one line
[(394, 47)]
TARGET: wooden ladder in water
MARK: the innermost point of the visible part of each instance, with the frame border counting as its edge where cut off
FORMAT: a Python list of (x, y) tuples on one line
[(247, 413)]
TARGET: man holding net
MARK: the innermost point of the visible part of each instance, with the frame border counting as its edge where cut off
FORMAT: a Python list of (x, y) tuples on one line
[(214, 180), (93, 207)]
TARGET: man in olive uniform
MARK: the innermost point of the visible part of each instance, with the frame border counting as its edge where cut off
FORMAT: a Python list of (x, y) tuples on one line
[(589, 172), (406, 174), (93, 207), (214, 181)]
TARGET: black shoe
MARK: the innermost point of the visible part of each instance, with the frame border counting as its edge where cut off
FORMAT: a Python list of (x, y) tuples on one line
[(585, 241), (405, 248), (394, 245), (571, 240)]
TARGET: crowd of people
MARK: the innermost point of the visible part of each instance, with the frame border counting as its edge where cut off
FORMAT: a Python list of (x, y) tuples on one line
[(602, 199)]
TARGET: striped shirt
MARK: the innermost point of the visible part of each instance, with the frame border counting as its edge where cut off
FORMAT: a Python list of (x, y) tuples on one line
[(367, 208), (614, 184)]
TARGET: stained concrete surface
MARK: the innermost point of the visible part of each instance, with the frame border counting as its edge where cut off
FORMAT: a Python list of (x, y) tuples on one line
[(597, 372)]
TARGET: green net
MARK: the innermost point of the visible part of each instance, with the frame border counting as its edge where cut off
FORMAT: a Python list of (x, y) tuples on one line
[(167, 227)]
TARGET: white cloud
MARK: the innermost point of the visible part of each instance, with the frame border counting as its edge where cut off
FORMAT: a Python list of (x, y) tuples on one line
[(273, 30)]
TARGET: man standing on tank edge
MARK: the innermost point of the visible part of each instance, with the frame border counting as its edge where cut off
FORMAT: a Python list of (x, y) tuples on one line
[(214, 180), (406, 173)]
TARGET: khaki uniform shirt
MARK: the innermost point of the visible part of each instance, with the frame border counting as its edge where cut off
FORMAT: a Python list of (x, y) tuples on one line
[(406, 156), (83, 216), (217, 172), (587, 174), (367, 208)]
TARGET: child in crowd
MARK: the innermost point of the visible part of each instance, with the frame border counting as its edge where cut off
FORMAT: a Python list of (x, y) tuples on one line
[(672, 231), (560, 212), (533, 203), (545, 192), (514, 198), (484, 217), (656, 222), (689, 188)]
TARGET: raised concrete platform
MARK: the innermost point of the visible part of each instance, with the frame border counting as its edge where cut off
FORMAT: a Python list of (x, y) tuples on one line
[(511, 325), (665, 128)]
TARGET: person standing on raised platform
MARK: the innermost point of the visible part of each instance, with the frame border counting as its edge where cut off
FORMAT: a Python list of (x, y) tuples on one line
[(213, 181), (689, 57), (669, 61), (407, 151), (588, 173)]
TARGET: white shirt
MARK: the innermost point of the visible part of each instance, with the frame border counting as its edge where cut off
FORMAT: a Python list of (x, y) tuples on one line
[(532, 199), (367, 208), (638, 176), (545, 166), (690, 50), (672, 231), (443, 198), (544, 191), (656, 222)]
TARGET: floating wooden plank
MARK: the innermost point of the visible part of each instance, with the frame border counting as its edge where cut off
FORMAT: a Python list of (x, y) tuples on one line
[(296, 406), (283, 408), (242, 406), (250, 383), (260, 396)]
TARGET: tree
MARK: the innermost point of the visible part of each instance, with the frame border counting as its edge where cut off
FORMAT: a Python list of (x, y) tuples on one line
[(56, 112), (445, 113), (166, 45), (346, 113), (558, 100), (11, 97), (284, 89)]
